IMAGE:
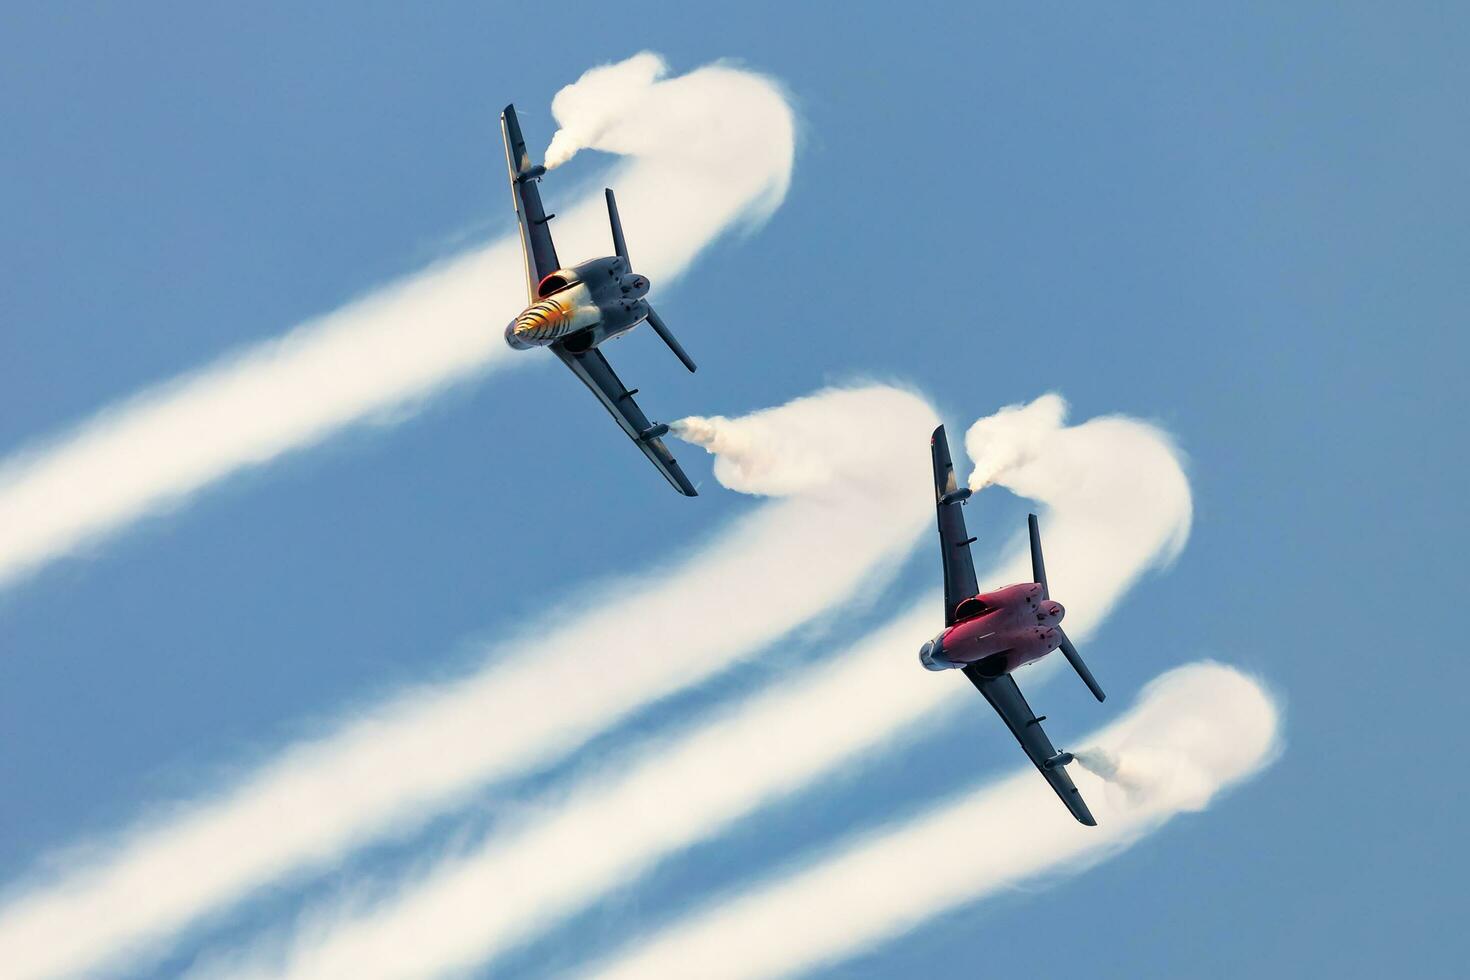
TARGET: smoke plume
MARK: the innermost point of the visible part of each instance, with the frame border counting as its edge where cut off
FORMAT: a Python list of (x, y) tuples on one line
[(631, 108), (386, 767), (707, 150), (1194, 732), (592, 110), (1119, 477), (692, 783), (770, 452)]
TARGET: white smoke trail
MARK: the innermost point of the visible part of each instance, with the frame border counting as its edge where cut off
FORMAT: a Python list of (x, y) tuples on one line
[(708, 149), (604, 98), (1194, 732), (390, 765), (1131, 520), (1013, 437), (768, 453), (689, 785)]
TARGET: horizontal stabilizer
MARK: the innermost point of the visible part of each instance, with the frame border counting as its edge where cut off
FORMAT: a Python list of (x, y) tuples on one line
[(1038, 575), (1075, 659), (659, 327)]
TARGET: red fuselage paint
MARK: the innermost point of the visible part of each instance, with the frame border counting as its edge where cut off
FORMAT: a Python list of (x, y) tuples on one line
[(1014, 626)]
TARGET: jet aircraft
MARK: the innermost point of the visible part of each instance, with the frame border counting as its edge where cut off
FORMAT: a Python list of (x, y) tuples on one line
[(989, 634), (575, 309)]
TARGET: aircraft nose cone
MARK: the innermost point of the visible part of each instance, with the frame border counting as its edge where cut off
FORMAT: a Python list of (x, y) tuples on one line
[(512, 337), (927, 655)]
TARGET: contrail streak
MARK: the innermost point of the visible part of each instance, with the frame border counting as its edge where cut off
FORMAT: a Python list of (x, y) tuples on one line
[(708, 149), (612, 649), (689, 785), (1194, 732)]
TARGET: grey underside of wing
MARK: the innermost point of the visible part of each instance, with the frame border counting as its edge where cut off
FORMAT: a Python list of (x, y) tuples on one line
[(599, 377), (1005, 697), (536, 244), (959, 566)]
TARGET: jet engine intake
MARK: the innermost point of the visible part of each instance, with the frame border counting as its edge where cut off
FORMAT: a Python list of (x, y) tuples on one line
[(970, 608)]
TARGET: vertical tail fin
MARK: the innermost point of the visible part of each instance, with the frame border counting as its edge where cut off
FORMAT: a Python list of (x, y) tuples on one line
[(620, 245), (1038, 566)]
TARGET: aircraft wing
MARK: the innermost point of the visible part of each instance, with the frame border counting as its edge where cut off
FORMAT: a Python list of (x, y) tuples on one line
[(1005, 697), (598, 375), (954, 540), (536, 244)]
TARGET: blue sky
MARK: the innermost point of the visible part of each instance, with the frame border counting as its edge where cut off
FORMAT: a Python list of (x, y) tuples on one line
[(1247, 225)]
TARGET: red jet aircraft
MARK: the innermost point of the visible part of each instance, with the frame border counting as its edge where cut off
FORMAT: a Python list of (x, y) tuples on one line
[(989, 634)]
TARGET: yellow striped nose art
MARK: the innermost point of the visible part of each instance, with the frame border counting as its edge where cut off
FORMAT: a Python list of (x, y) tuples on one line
[(540, 325), (543, 323)]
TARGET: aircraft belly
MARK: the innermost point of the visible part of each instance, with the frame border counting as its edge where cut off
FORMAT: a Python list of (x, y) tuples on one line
[(1022, 657), (1017, 646)]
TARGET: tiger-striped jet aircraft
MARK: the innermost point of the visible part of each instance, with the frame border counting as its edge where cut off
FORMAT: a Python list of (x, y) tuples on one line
[(987, 635), (573, 310)]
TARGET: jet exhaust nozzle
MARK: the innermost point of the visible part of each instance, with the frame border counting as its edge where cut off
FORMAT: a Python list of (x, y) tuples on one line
[(633, 286), (1049, 612)]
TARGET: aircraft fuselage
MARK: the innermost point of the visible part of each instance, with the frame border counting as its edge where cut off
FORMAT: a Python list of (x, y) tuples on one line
[(998, 632), (582, 306)]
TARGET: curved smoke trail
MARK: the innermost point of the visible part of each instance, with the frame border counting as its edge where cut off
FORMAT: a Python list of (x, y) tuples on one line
[(691, 784), (1194, 732), (707, 150), (392, 765)]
